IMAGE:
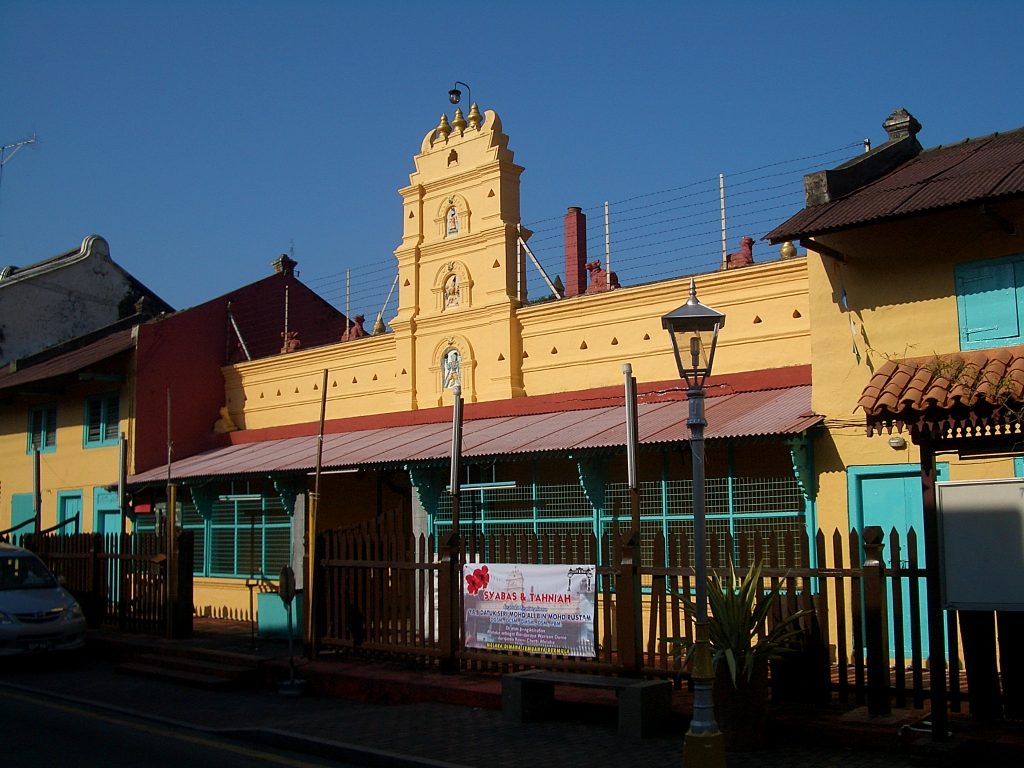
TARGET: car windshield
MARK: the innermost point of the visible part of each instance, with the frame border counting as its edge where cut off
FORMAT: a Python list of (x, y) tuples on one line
[(24, 571)]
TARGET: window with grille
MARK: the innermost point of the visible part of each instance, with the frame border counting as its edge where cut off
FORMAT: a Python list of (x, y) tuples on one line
[(741, 507), (102, 418), (244, 539), (42, 429)]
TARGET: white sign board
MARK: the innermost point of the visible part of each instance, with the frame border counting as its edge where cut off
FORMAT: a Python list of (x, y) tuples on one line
[(530, 608), (981, 542)]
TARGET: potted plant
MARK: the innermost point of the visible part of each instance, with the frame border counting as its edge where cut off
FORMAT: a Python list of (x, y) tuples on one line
[(742, 644)]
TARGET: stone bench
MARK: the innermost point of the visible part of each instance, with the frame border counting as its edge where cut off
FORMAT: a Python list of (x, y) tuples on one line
[(644, 705)]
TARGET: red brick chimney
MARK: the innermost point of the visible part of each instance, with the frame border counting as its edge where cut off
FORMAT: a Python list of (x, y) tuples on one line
[(575, 252)]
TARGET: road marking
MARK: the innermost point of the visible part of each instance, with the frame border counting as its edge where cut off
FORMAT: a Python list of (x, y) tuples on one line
[(161, 731)]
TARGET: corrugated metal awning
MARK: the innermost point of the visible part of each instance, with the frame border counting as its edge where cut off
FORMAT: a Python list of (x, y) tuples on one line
[(68, 362), (785, 411), (973, 171)]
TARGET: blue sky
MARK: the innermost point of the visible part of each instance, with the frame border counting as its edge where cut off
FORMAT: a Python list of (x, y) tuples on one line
[(202, 139)]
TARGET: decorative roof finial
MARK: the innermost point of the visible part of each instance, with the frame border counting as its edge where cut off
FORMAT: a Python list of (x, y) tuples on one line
[(459, 122), (443, 127), (475, 118)]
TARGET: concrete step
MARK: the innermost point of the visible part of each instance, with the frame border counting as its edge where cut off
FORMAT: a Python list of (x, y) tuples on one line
[(202, 670)]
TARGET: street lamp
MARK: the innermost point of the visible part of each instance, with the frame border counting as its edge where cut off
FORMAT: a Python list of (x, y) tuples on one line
[(694, 328)]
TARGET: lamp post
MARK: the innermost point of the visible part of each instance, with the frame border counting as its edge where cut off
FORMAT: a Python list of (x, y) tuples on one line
[(693, 329), (455, 95)]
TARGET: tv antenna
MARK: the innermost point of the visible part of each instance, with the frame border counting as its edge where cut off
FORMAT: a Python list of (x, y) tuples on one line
[(7, 151)]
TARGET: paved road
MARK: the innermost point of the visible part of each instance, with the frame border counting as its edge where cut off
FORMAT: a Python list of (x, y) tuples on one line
[(416, 734), (40, 731)]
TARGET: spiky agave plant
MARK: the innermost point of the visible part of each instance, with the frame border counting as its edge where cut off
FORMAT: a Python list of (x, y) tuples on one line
[(738, 624)]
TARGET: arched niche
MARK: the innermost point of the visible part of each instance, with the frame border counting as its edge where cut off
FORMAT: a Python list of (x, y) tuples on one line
[(453, 348), (452, 287), (453, 217)]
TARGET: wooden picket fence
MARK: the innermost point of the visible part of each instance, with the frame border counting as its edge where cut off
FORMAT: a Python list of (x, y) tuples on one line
[(120, 579), (382, 594)]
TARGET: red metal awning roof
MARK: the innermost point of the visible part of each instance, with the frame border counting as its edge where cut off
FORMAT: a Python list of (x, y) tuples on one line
[(783, 411), (68, 362)]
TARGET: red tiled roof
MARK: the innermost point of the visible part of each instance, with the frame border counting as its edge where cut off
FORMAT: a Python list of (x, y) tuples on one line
[(69, 362), (968, 392), (975, 170), (785, 411)]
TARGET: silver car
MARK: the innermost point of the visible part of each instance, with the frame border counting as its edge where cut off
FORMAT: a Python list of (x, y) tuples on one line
[(36, 612)]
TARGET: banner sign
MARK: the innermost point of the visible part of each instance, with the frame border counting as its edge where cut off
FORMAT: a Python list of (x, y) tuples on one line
[(530, 608)]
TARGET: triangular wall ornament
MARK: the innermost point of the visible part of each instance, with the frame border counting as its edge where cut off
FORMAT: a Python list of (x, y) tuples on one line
[(500, 357), (583, 345), (554, 350), (615, 341), (796, 313), (490, 193), (495, 265), (354, 380), (525, 354), (757, 319), (647, 337), (406, 284), (375, 377), (412, 215)]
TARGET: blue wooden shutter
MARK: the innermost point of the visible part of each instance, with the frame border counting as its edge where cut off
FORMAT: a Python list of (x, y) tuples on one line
[(987, 304)]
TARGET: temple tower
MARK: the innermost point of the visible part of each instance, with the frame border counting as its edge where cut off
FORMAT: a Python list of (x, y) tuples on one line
[(460, 272)]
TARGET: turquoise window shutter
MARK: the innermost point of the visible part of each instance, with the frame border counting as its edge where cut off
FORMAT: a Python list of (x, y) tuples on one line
[(987, 303)]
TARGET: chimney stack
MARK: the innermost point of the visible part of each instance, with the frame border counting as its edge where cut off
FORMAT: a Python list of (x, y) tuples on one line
[(901, 124), (575, 252), (285, 264)]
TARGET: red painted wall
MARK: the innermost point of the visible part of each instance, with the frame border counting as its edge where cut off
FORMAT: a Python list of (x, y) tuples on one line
[(184, 352)]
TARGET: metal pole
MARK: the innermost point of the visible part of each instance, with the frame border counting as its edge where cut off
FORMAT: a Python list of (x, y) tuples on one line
[(37, 490), (631, 445), (172, 502), (721, 198), (607, 239), (519, 265), (314, 504), (456, 455), (704, 744)]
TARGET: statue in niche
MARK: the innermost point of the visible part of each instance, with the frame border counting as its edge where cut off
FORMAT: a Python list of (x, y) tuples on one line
[(451, 368), (451, 291), (453, 222)]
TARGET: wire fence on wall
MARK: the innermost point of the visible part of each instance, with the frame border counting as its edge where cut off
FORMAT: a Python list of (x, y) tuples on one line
[(651, 236)]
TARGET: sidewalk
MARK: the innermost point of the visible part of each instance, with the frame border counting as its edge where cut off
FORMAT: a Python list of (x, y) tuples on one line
[(378, 714)]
